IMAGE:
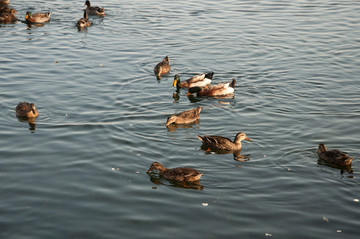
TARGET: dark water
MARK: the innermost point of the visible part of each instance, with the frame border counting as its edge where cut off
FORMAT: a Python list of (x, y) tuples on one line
[(78, 171)]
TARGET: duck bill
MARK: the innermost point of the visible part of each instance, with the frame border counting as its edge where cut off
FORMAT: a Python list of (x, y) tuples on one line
[(175, 83), (248, 139)]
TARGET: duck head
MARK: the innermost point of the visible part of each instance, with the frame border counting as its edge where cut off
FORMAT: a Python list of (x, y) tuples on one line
[(241, 136), (176, 80), (156, 166), (171, 119), (321, 148), (28, 15), (87, 3)]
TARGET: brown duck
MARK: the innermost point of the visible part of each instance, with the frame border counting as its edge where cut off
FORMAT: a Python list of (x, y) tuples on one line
[(334, 156), (163, 67), (222, 143), (221, 89), (25, 109), (83, 22), (94, 10), (8, 16), (185, 117), (175, 174), (198, 80)]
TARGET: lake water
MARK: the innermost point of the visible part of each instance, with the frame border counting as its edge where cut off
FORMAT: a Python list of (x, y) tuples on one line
[(79, 170)]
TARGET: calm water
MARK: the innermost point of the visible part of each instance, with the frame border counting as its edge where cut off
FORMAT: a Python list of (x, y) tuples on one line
[(79, 170)]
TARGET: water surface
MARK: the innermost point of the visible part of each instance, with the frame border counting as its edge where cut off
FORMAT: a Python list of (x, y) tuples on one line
[(78, 171)]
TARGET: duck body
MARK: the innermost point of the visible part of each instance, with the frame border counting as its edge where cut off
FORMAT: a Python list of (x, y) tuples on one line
[(8, 16), (94, 10), (222, 143), (83, 22), (185, 117), (26, 110), (175, 174), (334, 156), (40, 17), (198, 80), (221, 89), (163, 67)]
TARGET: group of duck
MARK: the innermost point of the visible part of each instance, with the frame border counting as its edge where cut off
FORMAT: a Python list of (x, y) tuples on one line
[(200, 85), (7, 15)]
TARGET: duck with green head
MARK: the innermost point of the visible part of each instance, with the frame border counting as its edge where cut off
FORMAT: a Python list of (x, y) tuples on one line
[(40, 17), (198, 80)]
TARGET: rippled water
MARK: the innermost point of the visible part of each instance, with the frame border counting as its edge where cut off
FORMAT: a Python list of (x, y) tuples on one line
[(78, 171)]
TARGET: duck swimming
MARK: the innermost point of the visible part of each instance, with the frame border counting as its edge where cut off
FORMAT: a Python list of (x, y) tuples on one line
[(198, 80), (334, 156), (25, 109), (40, 17), (175, 174), (184, 117), (83, 22), (221, 89), (94, 10), (163, 67), (222, 143), (8, 16)]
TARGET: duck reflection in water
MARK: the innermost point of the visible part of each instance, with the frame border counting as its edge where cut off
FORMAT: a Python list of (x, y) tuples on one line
[(237, 154), (187, 185)]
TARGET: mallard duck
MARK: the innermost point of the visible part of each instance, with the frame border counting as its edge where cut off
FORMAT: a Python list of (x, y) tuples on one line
[(333, 156), (25, 109), (198, 80), (184, 117), (222, 143), (39, 17), (8, 16), (175, 174), (221, 89), (163, 67), (93, 10), (83, 22)]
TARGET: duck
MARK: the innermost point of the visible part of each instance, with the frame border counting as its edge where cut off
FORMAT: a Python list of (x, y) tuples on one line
[(94, 10), (214, 142), (221, 89), (84, 22), (39, 17), (184, 117), (4, 2), (26, 110), (8, 16), (175, 174), (200, 80), (163, 67), (334, 156)]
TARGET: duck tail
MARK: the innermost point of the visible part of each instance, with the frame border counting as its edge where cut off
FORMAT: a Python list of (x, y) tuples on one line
[(209, 75), (232, 84)]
